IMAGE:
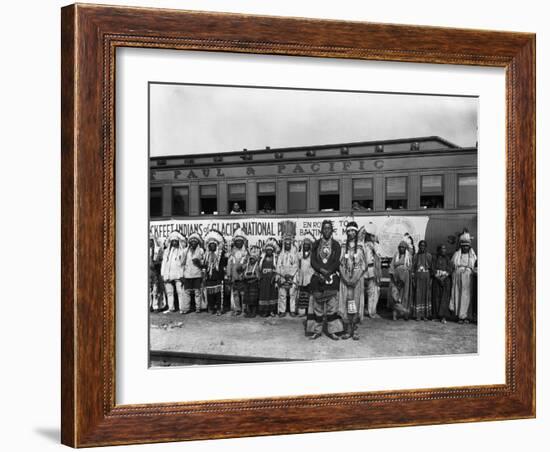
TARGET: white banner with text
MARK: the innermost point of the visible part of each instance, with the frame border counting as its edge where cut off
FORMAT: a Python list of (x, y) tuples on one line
[(390, 230)]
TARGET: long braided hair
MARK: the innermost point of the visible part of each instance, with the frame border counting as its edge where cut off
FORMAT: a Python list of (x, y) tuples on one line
[(347, 260)]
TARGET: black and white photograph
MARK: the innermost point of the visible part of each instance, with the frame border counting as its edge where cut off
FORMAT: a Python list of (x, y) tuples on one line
[(293, 224), (260, 226)]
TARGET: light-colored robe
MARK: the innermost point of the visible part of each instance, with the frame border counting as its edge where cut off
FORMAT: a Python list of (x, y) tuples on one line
[(461, 291), (172, 263), (372, 276), (400, 267)]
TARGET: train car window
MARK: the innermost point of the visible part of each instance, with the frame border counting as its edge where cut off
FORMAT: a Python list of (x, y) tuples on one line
[(431, 194), (362, 194), (208, 199), (236, 198), (467, 190), (396, 193), (180, 201), (267, 199), (329, 195), (297, 197), (155, 202)]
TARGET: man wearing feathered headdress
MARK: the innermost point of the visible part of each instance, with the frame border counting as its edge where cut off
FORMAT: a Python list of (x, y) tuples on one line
[(192, 273), (305, 273), (214, 265), (464, 267), (251, 278), (325, 260), (287, 269), (172, 269), (373, 272), (352, 268), (235, 269), (268, 289)]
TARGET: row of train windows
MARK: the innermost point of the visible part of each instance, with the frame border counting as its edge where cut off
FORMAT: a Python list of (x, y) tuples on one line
[(396, 197)]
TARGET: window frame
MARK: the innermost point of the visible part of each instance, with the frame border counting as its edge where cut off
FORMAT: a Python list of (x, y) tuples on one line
[(289, 183), (362, 198), (230, 197), (330, 193), (273, 194), (440, 193), (173, 188), (161, 197), (201, 197), (458, 203)]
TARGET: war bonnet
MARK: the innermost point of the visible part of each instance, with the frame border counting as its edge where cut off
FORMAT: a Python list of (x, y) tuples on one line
[(196, 236), (176, 235), (214, 236)]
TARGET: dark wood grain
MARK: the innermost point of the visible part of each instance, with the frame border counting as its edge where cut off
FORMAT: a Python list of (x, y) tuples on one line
[(67, 226), (90, 36)]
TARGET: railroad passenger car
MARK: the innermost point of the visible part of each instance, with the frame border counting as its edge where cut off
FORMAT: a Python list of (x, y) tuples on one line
[(411, 176)]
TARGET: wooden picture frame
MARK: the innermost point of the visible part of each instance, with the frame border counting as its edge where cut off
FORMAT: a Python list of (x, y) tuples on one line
[(90, 35)]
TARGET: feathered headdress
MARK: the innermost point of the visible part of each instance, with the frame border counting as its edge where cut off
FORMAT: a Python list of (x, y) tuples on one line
[(465, 238), (361, 235), (214, 236), (308, 237), (196, 236), (178, 252), (212, 258), (176, 235), (408, 254), (370, 228), (288, 230), (239, 234), (271, 242), (255, 252), (409, 241)]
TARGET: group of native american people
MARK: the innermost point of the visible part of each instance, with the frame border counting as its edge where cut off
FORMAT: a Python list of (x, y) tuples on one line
[(333, 285)]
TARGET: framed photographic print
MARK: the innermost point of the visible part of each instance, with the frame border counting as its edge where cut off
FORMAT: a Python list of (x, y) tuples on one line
[(281, 225)]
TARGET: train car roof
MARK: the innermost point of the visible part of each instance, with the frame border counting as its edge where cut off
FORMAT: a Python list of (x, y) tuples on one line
[(359, 149)]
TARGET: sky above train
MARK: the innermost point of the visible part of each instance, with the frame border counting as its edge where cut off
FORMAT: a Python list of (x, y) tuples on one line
[(196, 119)]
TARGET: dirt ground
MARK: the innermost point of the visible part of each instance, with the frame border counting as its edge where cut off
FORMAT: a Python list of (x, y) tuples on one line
[(284, 338)]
